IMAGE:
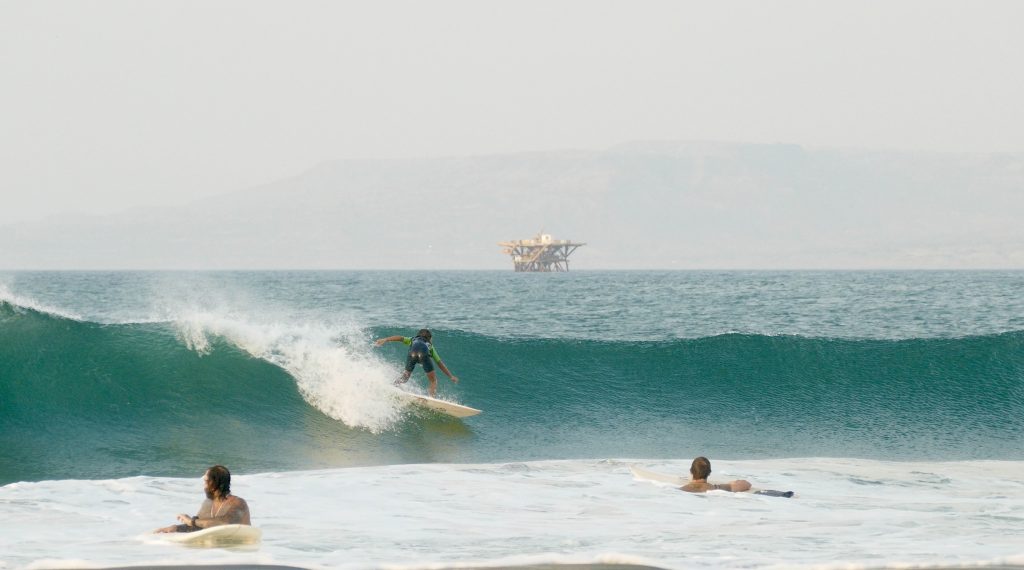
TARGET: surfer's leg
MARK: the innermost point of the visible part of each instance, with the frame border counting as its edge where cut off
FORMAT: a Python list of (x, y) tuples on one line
[(403, 378), (432, 390), (410, 364)]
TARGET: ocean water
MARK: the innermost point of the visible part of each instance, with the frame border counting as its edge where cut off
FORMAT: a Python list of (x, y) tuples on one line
[(891, 402)]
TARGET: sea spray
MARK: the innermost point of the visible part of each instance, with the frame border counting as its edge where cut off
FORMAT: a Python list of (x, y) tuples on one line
[(334, 370)]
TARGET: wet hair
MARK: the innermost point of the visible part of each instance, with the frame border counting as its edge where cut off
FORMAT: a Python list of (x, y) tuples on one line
[(220, 479), (700, 468), (425, 333)]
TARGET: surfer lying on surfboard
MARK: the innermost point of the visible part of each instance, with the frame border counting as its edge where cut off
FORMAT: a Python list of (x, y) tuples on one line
[(219, 508), (701, 468), (420, 352), (699, 471)]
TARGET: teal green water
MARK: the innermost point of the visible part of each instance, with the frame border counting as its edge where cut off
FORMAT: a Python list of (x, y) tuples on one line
[(98, 379)]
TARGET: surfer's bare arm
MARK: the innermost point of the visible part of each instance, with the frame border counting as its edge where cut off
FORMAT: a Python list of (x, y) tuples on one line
[(172, 528), (185, 526), (381, 341), (447, 373), (737, 486), (186, 520), (189, 523)]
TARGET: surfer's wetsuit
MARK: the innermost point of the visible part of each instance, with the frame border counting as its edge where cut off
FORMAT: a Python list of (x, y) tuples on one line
[(420, 351)]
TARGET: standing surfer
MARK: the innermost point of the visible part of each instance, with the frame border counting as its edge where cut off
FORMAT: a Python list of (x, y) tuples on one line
[(421, 351)]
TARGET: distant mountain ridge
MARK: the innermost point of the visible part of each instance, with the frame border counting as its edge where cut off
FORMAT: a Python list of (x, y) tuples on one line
[(654, 205)]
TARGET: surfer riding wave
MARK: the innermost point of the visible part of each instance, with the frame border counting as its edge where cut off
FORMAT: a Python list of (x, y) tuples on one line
[(422, 352)]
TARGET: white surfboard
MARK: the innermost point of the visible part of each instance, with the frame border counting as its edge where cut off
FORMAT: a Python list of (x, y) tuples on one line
[(646, 475), (677, 481), (443, 406), (223, 535)]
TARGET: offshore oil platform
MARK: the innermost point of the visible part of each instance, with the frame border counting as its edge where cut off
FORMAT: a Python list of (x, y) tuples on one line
[(540, 253)]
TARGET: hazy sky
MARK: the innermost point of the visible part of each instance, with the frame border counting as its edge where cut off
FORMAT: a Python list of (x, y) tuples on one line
[(106, 105)]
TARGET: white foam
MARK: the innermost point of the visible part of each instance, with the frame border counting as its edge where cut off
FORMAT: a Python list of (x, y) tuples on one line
[(849, 514), (330, 356), (334, 366), (6, 296)]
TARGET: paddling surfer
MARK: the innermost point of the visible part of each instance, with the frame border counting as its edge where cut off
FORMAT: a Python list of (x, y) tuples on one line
[(219, 508), (421, 351), (700, 469)]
